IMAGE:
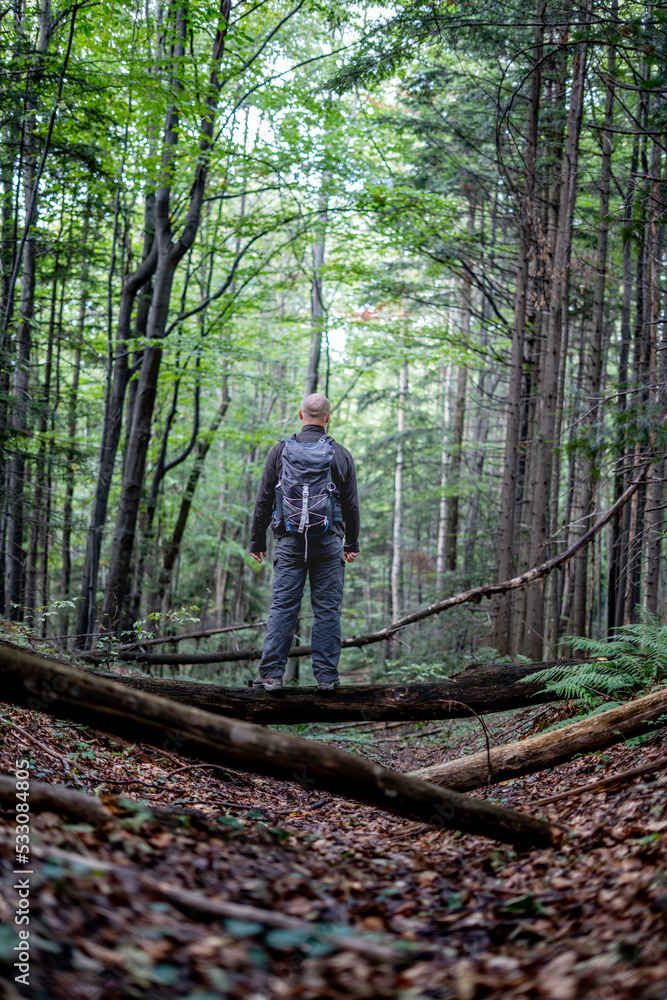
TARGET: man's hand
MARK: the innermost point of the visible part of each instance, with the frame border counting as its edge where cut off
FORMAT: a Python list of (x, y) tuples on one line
[(258, 557), (350, 556)]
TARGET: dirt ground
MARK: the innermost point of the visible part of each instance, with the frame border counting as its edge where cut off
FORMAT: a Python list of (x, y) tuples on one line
[(381, 907)]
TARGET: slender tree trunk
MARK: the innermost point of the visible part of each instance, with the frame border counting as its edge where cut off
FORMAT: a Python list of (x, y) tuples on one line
[(620, 525), (444, 478), (173, 549), (317, 311), (476, 469), (654, 525), (458, 423), (595, 352), (71, 451), (40, 494), (655, 481), (7, 251), (397, 557), (548, 399), (170, 252), (111, 432), (502, 628), (15, 555)]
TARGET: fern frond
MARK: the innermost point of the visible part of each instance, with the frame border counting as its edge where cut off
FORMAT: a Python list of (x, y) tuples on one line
[(624, 665)]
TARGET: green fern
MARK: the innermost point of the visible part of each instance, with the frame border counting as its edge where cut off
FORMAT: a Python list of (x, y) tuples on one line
[(624, 665)]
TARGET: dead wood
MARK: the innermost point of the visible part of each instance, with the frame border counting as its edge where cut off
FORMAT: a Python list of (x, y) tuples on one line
[(183, 636), (479, 689), (473, 596), (38, 743), (614, 780), (547, 750), (56, 798), (66, 693)]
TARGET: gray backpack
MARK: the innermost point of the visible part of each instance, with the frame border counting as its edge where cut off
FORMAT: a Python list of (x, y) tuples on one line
[(305, 493)]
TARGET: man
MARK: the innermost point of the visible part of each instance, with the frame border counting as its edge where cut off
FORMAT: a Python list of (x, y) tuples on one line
[(321, 557)]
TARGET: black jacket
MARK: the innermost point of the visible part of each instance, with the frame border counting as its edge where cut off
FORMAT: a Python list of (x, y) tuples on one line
[(343, 475)]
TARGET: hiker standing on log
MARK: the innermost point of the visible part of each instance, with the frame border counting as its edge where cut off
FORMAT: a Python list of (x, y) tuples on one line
[(308, 495)]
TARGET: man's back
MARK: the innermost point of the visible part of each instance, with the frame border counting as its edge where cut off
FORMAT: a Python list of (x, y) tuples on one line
[(343, 475), (298, 557)]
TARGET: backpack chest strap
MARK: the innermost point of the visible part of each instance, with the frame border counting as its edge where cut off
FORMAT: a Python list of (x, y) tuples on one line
[(304, 509)]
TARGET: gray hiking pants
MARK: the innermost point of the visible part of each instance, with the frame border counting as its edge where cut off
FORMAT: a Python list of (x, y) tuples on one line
[(325, 568)]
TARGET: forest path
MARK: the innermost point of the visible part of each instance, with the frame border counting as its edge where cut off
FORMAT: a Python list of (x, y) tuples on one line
[(464, 917)]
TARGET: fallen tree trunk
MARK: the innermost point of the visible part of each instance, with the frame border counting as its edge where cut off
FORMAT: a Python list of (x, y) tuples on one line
[(547, 750), (478, 690), (473, 596), (38, 684), (56, 798)]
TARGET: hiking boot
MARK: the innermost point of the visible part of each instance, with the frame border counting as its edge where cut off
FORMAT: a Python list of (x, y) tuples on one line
[(268, 683), (328, 685)]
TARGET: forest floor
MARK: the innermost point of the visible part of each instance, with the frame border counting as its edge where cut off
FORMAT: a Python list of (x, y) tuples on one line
[(433, 913)]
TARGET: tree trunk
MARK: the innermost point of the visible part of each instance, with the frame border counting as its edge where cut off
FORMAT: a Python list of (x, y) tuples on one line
[(595, 352), (397, 560), (549, 388), (654, 519), (39, 525), (71, 451), (655, 483), (174, 547), (15, 556), (502, 626), (476, 468), (444, 453), (65, 693), (548, 750), (111, 432), (170, 252), (452, 521), (317, 311)]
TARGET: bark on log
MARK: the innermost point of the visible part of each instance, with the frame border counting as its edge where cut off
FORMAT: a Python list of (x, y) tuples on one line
[(66, 693), (473, 596), (550, 749), (482, 689)]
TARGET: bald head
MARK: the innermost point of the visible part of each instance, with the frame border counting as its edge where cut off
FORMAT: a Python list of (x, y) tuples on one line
[(315, 409)]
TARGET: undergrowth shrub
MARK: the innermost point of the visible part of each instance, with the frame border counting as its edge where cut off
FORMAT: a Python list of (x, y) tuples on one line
[(620, 667)]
